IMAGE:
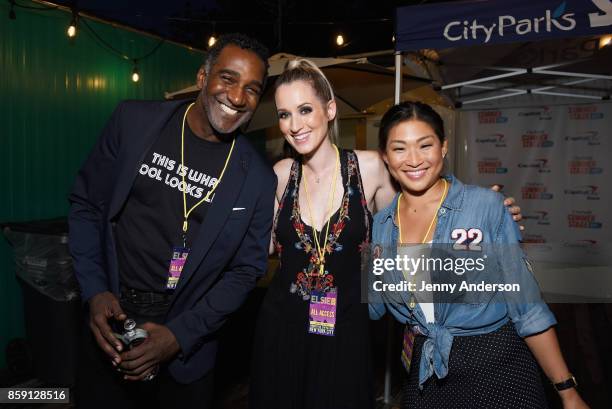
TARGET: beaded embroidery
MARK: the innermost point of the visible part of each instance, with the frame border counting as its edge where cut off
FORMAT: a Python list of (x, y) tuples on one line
[(309, 279)]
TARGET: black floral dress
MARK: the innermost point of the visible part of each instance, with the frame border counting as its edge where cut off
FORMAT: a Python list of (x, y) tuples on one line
[(293, 368)]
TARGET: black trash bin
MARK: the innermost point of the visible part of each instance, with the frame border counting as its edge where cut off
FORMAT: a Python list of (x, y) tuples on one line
[(51, 301)]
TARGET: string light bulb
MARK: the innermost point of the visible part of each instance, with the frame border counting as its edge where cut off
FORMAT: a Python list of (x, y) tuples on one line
[(72, 28), (339, 40), (212, 40), (135, 73), (605, 41)]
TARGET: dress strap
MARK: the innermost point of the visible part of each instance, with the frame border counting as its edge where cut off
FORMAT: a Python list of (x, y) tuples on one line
[(346, 179), (353, 170), (291, 183)]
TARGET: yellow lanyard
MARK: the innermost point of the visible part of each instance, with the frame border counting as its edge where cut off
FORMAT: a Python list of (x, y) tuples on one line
[(399, 220), (321, 251), (186, 212)]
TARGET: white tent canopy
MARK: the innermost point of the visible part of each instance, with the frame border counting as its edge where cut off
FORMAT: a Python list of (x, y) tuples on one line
[(481, 51), (357, 83)]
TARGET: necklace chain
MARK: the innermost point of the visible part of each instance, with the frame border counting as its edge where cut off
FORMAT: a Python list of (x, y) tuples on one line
[(321, 250), (399, 220)]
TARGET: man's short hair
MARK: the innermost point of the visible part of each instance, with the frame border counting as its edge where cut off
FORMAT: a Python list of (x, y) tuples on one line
[(240, 40)]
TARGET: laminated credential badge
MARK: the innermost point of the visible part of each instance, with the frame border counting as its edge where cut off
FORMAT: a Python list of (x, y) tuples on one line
[(322, 312)]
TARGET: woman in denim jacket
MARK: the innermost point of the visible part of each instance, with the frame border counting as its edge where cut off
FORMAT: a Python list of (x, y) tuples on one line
[(471, 350)]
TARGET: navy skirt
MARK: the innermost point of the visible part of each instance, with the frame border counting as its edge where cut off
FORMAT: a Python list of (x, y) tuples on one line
[(495, 370)]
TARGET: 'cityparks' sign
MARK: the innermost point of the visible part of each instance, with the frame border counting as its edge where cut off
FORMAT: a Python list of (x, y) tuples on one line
[(446, 25)]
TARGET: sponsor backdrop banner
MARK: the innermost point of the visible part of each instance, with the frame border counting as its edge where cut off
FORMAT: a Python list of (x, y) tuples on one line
[(556, 160), (466, 23)]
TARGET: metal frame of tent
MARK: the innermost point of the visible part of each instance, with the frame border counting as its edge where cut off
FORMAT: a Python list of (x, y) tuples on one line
[(597, 13)]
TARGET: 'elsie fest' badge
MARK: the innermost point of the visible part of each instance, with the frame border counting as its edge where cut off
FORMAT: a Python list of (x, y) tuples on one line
[(322, 312), (177, 262)]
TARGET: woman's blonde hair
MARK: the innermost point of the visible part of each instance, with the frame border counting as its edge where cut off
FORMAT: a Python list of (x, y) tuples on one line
[(301, 69)]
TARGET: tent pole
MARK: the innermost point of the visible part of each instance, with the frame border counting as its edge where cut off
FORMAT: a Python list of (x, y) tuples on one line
[(398, 77), (561, 64), (390, 321), (518, 71), (367, 55), (511, 94), (492, 88), (567, 94), (573, 74), (565, 84), (389, 357)]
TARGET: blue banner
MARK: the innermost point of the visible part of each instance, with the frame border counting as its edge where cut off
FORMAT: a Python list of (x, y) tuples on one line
[(479, 22)]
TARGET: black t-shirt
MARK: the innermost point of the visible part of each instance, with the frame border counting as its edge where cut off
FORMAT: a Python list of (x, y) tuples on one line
[(150, 225)]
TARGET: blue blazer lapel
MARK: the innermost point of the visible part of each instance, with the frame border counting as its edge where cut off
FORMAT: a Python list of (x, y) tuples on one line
[(226, 195)]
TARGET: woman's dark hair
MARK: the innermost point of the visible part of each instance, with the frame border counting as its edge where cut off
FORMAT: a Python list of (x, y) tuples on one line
[(407, 111), (239, 40)]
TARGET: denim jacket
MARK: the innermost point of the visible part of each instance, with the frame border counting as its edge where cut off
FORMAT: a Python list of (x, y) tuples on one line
[(464, 207)]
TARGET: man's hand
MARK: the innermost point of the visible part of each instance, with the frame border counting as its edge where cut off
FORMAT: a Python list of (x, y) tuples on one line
[(514, 210), (103, 307), (160, 346)]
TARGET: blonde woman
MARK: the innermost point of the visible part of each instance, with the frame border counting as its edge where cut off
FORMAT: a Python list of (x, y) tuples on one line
[(312, 346)]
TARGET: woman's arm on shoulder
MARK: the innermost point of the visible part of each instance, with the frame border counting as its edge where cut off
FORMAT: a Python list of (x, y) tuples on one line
[(377, 183), (512, 206)]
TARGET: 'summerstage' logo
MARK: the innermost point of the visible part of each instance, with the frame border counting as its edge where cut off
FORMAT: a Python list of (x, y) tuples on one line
[(584, 165), (534, 239), (580, 244), (586, 246), (496, 139), (590, 138), (583, 219), (589, 192), (539, 217), (504, 25), (535, 191), (491, 165), (584, 113), (542, 113), (541, 165), (536, 140), (491, 117)]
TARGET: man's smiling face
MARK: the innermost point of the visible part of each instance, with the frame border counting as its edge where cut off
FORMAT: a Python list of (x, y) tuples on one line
[(232, 88)]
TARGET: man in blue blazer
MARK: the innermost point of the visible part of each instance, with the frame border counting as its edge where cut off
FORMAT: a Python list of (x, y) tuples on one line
[(170, 224)]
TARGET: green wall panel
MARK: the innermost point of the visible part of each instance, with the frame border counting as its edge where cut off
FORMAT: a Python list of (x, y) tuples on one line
[(55, 96)]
